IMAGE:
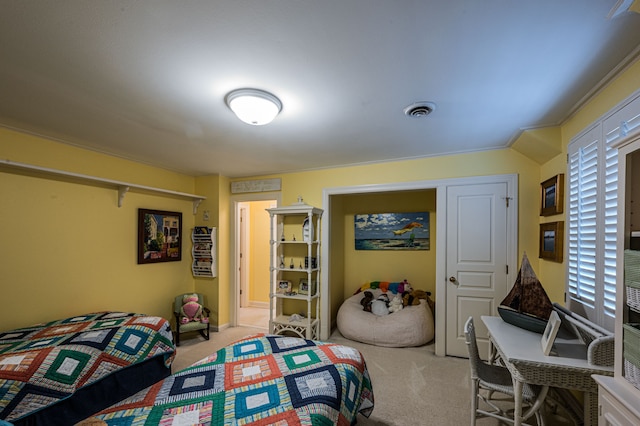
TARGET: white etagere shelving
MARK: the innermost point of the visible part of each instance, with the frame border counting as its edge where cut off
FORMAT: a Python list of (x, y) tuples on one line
[(294, 261), (204, 252)]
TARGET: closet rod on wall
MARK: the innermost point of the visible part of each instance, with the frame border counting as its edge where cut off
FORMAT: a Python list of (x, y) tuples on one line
[(122, 187)]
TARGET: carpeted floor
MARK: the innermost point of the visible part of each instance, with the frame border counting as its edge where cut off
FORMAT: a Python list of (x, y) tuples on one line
[(412, 386), (253, 317)]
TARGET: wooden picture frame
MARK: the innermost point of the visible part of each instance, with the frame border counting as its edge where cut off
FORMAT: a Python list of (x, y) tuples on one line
[(159, 236), (552, 195), (551, 241), (550, 332)]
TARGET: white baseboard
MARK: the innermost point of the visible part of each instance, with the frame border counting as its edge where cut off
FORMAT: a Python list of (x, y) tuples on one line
[(257, 304), (220, 327)]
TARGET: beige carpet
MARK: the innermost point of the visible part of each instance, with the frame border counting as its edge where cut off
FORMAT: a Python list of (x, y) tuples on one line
[(411, 386), (254, 317)]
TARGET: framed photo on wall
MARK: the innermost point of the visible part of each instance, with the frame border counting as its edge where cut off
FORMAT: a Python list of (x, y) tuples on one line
[(159, 236), (552, 195), (551, 236)]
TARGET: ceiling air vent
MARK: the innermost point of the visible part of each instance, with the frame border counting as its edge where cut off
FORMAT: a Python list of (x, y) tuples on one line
[(420, 109)]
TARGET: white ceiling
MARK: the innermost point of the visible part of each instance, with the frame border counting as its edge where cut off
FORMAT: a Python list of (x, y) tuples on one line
[(146, 79)]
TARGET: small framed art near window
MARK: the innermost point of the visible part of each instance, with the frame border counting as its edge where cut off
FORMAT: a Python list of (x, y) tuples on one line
[(159, 236), (552, 195), (551, 236)]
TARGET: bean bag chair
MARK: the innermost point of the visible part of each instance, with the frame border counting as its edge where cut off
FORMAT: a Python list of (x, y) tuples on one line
[(411, 326)]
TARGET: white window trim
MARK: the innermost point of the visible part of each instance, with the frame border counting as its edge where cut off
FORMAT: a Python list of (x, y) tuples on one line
[(605, 132)]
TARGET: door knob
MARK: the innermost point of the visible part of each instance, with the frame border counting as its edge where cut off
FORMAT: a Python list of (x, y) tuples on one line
[(453, 280)]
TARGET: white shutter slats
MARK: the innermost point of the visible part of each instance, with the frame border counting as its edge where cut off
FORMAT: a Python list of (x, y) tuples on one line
[(592, 187), (610, 225), (592, 224)]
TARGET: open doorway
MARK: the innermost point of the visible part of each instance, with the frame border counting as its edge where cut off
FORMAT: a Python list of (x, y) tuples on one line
[(252, 260)]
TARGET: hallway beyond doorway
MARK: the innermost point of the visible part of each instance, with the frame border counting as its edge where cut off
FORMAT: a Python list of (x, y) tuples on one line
[(254, 317)]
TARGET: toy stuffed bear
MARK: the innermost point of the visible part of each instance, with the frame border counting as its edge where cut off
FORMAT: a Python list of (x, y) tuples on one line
[(396, 304), (366, 301), (191, 310), (413, 298), (380, 306)]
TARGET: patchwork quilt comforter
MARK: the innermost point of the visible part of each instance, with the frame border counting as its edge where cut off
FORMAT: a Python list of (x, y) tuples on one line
[(64, 371), (262, 379)]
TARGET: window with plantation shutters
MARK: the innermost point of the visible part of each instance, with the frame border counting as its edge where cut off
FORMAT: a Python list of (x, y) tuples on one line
[(592, 220), (610, 212)]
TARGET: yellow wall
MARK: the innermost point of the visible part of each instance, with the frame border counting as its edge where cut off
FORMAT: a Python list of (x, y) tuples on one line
[(609, 97), (225, 233), (209, 186), (417, 267), (553, 274), (68, 249), (337, 255)]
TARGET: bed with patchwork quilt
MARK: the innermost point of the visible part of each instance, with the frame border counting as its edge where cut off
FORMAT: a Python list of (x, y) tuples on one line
[(63, 371), (259, 380)]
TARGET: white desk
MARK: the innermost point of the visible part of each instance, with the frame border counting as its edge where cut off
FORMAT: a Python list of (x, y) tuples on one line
[(522, 354)]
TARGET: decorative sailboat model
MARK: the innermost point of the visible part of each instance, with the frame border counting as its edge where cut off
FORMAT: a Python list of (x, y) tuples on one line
[(527, 304)]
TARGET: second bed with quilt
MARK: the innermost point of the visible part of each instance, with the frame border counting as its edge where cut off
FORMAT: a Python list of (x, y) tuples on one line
[(260, 380), (60, 372)]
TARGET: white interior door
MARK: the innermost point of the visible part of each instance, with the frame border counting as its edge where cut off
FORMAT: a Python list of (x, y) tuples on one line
[(476, 259)]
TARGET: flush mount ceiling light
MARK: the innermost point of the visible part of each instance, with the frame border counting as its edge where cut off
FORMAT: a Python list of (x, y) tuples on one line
[(420, 109), (253, 106), (619, 8)]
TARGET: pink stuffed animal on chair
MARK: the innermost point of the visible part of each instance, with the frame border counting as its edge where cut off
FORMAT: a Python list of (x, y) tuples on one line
[(191, 310)]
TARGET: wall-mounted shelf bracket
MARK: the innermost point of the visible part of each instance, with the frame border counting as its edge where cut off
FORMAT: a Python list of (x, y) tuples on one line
[(196, 203), (122, 190), (122, 187)]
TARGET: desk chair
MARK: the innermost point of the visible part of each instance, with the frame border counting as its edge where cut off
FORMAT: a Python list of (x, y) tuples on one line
[(495, 378)]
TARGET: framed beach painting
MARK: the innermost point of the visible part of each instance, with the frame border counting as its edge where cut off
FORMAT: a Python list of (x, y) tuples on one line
[(392, 231)]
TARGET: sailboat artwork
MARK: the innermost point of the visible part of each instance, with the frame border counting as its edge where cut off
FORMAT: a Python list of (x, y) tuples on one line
[(392, 231), (527, 305)]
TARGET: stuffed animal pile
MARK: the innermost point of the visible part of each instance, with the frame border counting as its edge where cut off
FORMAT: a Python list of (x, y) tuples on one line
[(191, 310), (396, 304), (404, 295), (380, 306), (366, 301), (412, 298)]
